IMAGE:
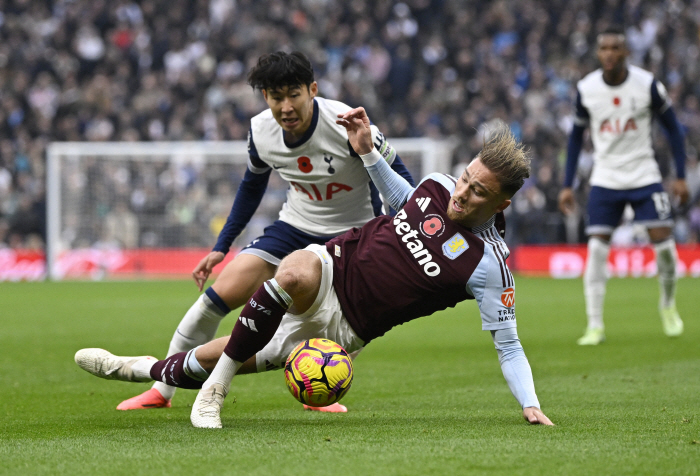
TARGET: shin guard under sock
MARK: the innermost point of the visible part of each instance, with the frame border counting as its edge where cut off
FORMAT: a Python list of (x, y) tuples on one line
[(173, 371), (666, 260), (594, 280), (258, 321)]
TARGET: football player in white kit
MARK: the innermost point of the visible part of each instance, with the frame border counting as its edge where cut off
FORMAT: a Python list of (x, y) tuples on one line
[(444, 246), (617, 103), (329, 193)]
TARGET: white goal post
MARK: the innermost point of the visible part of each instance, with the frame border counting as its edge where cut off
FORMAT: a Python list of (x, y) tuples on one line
[(108, 199)]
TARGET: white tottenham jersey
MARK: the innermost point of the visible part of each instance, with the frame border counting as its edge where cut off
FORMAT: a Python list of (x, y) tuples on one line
[(328, 187), (619, 118)]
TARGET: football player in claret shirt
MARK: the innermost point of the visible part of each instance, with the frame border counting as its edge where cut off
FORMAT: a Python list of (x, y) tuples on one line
[(444, 246), (329, 193), (617, 103)]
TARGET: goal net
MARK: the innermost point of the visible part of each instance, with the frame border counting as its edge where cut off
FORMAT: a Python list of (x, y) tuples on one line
[(154, 209)]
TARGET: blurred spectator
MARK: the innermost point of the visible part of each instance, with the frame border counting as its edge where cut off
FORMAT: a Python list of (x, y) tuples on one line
[(121, 226), (86, 70)]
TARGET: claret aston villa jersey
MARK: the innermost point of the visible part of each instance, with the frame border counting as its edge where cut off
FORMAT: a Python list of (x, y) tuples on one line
[(328, 185), (395, 269)]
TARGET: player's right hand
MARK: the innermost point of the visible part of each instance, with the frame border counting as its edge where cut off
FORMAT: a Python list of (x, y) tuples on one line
[(680, 190), (204, 268), (567, 203), (357, 125), (534, 416)]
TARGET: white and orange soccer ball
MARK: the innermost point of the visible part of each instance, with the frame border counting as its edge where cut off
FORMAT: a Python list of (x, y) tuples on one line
[(318, 372)]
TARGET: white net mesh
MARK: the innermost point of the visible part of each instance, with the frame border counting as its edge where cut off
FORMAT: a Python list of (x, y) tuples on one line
[(107, 201)]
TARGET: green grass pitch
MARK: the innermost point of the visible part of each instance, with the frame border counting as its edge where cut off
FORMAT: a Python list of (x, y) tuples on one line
[(428, 398)]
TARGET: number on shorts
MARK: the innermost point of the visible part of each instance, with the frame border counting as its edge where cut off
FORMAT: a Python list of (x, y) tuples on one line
[(662, 204)]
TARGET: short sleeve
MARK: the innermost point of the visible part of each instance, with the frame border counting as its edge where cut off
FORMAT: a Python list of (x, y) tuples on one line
[(255, 164), (660, 101), (493, 287)]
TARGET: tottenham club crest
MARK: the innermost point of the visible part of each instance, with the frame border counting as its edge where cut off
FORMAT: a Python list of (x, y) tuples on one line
[(455, 246)]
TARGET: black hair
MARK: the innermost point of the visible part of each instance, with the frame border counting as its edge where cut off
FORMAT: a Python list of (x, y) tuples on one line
[(613, 30), (276, 70)]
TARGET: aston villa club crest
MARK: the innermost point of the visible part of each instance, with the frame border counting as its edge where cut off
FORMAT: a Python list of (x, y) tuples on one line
[(455, 246), (432, 226)]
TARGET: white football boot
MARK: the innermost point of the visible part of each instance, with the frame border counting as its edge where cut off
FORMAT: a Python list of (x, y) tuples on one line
[(593, 336), (103, 364), (673, 325), (206, 409)]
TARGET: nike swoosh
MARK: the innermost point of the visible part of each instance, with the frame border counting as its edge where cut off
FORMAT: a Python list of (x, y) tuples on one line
[(278, 166), (183, 335)]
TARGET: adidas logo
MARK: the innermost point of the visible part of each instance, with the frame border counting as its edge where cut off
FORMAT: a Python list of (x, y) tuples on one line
[(270, 366), (423, 203), (249, 323)]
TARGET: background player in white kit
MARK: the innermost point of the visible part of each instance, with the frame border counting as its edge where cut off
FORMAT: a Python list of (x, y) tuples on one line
[(329, 193), (617, 103), (444, 246)]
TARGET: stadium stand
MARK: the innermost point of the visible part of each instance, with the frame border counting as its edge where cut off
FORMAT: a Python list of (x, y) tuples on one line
[(97, 70)]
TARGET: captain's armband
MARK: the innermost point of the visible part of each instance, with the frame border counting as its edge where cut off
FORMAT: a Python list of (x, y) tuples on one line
[(382, 145)]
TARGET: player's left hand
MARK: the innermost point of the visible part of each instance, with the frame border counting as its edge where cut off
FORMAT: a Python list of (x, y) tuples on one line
[(680, 190), (356, 122), (205, 266), (534, 416)]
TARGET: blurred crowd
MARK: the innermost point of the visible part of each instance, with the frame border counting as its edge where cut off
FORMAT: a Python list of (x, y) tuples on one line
[(122, 70)]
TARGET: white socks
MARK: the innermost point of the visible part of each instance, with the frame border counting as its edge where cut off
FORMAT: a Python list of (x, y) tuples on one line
[(223, 373), (666, 258), (594, 279), (198, 327), (142, 369)]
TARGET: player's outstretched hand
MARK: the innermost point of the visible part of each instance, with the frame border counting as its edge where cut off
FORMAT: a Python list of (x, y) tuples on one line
[(356, 122), (680, 190), (566, 201), (534, 416), (204, 268)]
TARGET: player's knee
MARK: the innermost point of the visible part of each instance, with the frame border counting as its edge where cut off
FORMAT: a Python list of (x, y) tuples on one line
[(297, 272), (660, 234), (292, 280), (605, 239)]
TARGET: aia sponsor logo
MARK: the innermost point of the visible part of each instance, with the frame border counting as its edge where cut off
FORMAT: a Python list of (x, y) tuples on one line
[(432, 226), (615, 126), (316, 194), (508, 297)]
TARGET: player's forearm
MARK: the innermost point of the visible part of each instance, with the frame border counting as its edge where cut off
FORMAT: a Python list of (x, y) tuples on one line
[(248, 198), (393, 187), (675, 139), (398, 166), (573, 149), (515, 367)]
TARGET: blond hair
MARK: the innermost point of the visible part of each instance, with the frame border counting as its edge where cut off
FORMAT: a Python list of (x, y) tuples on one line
[(503, 155)]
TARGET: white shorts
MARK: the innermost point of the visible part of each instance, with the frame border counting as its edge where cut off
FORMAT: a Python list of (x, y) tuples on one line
[(324, 319)]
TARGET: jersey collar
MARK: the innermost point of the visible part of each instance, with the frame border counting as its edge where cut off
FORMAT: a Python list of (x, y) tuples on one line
[(489, 223), (309, 132)]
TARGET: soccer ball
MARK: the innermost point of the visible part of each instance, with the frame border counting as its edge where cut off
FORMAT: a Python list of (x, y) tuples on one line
[(318, 372)]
